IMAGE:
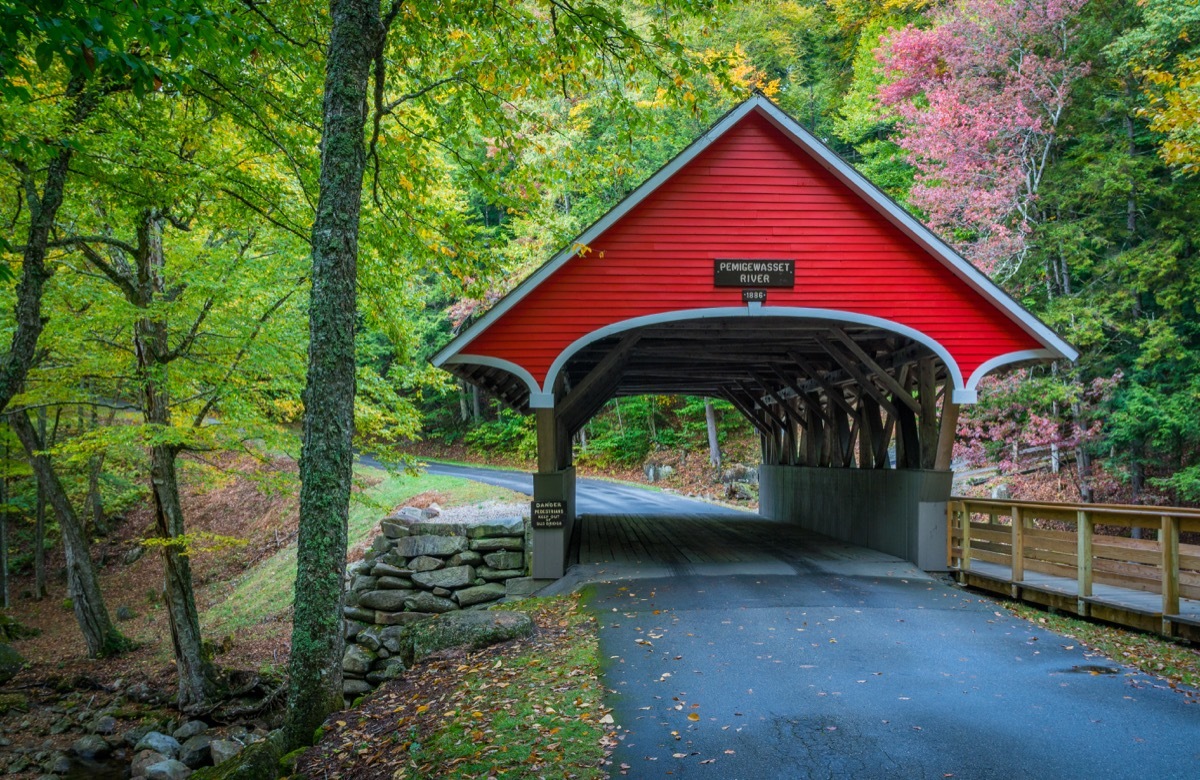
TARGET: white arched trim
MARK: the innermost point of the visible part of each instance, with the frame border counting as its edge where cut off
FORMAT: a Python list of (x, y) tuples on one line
[(853, 318), (520, 372), (1004, 360)]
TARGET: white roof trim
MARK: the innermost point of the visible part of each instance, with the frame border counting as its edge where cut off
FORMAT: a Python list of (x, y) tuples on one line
[(769, 311), (1056, 347), (1004, 360), (520, 372)]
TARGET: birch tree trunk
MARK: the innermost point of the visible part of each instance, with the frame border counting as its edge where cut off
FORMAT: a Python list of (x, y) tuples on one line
[(714, 443)]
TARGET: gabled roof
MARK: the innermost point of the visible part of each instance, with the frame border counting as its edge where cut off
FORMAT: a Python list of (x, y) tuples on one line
[(1054, 345)]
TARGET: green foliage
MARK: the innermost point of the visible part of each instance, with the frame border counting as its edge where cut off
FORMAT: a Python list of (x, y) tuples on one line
[(509, 432)]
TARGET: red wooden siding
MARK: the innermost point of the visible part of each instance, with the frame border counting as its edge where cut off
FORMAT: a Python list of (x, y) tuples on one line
[(753, 194)]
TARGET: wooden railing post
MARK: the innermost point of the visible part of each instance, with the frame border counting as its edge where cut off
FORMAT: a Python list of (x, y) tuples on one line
[(1083, 532), (964, 560), (951, 513), (1168, 543), (1018, 547)]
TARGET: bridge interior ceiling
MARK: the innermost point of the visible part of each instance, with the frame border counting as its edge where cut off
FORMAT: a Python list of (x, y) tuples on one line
[(818, 393)]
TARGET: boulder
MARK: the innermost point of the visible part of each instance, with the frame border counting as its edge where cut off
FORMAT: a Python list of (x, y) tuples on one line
[(390, 670), (255, 762), (442, 546), (498, 543), (369, 638), (468, 558), (354, 688), (11, 662), (159, 743), (455, 577), (57, 764), (511, 526), (104, 725), (223, 749), (353, 628), (384, 600), (135, 734), (393, 638), (521, 586), (189, 730), (392, 530), (125, 613), (480, 594), (168, 770), (438, 529), (387, 570), (357, 568), (400, 618), (492, 575), (504, 559), (443, 592), (196, 752), (427, 602), (357, 660), (359, 613), (382, 544), (410, 514), (425, 563), (395, 583), (467, 629), (91, 747), (363, 582), (143, 759)]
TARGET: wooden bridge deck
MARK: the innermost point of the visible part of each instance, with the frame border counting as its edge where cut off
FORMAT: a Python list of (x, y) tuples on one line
[(710, 544)]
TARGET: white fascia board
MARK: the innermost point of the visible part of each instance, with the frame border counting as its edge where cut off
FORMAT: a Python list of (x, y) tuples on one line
[(595, 231), (913, 228)]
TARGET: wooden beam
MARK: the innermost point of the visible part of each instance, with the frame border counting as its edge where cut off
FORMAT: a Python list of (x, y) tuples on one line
[(595, 388), (766, 410), (928, 425), (888, 380), (948, 427), (853, 370), (747, 411), (834, 394)]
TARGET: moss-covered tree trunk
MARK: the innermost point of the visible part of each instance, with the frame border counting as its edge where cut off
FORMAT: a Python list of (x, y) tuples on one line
[(101, 637), (326, 457)]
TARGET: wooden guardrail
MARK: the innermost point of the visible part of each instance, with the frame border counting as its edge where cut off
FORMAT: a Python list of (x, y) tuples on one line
[(1088, 543)]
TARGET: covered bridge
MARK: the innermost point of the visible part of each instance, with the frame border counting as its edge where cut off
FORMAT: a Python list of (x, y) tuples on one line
[(760, 267)]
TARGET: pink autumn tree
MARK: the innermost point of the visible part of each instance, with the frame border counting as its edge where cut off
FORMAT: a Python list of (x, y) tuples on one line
[(979, 96)]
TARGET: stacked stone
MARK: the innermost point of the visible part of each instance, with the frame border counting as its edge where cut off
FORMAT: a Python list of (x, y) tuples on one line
[(419, 568)]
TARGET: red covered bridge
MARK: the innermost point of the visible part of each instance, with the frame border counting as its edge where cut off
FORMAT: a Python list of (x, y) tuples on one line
[(760, 267)]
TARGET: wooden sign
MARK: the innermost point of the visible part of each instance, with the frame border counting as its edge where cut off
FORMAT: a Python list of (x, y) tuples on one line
[(754, 273), (547, 514)]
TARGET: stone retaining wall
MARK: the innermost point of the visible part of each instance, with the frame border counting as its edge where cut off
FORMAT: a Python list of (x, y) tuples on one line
[(416, 569)]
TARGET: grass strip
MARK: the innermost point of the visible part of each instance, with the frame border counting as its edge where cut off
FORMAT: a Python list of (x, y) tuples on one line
[(1176, 661), (527, 708)]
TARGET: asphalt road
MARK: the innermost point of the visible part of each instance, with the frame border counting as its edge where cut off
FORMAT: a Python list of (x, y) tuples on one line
[(593, 496), (853, 664), (824, 675)]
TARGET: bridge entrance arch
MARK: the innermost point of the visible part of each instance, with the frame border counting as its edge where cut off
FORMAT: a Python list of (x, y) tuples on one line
[(760, 267)]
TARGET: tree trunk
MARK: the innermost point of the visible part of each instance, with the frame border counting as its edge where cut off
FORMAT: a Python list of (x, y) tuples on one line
[(95, 501), (39, 523), (326, 461), (101, 636), (198, 685), (463, 413), (714, 444), (476, 411), (43, 210), (4, 537)]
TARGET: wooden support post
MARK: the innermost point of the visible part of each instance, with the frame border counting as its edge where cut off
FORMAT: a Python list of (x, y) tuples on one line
[(964, 558), (948, 427), (1018, 548), (908, 447), (1083, 563), (1168, 542), (547, 440), (928, 424), (866, 446)]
